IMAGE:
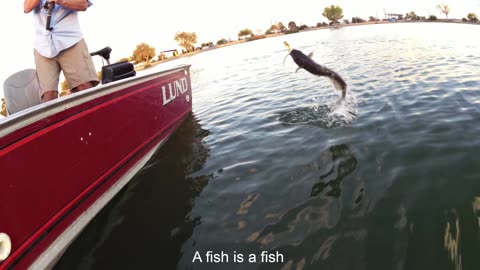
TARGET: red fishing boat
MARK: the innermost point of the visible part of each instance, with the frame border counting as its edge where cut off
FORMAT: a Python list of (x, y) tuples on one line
[(62, 161)]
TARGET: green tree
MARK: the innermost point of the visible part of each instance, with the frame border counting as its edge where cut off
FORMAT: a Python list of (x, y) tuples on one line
[(64, 89), (222, 41), (412, 16), (322, 24), (274, 27), (206, 44), (162, 57), (357, 20), (333, 13), (244, 33), (292, 25), (472, 17), (186, 40), (143, 53), (445, 9), (64, 86), (3, 111)]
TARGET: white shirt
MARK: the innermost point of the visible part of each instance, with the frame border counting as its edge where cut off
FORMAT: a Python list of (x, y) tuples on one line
[(65, 33)]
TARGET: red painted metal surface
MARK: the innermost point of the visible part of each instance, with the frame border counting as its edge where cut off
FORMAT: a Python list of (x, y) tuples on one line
[(55, 168)]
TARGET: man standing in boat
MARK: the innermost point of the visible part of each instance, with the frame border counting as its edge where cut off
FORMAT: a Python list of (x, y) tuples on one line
[(60, 46)]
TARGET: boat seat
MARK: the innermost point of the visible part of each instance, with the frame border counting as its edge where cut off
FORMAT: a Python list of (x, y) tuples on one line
[(105, 53), (22, 91)]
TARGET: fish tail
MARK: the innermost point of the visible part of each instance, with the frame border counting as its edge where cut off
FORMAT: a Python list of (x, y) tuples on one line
[(337, 84)]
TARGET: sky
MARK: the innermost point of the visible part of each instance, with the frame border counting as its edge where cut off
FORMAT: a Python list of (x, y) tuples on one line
[(124, 24)]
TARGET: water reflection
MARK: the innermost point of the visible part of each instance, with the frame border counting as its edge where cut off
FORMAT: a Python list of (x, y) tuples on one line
[(476, 209), (343, 164), (309, 231), (149, 219), (247, 203), (451, 242)]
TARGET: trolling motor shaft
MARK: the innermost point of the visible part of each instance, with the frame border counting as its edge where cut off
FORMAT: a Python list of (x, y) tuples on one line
[(49, 6)]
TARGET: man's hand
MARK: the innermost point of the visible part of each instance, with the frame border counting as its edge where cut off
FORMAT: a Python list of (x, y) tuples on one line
[(29, 5), (78, 5)]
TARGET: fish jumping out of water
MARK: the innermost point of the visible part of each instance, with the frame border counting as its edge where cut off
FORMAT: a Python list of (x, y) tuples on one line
[(307, 63)]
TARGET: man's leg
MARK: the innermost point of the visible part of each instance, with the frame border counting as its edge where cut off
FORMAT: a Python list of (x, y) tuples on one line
[(78, 68), (48, 72), (49, 95), (83, 86)]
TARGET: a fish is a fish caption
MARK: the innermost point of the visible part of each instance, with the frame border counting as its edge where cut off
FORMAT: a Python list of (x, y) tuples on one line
[(237, 257)]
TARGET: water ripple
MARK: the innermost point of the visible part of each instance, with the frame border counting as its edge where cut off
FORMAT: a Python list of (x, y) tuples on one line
[(383, 180)]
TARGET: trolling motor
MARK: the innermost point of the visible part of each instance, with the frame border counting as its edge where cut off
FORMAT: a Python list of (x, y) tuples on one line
[(49, 6), (116, 71)]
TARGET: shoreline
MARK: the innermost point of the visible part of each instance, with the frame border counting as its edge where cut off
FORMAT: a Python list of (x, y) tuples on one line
[(152, 64), (236, 42)]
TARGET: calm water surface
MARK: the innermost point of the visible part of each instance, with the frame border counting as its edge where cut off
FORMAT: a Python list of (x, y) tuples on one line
[(388, 179)]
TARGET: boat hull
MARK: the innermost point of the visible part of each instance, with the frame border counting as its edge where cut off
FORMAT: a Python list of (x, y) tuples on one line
[(62, 163)]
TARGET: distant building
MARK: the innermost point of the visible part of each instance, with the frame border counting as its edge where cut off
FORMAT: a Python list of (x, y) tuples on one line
[(396, 17), (167, 54)]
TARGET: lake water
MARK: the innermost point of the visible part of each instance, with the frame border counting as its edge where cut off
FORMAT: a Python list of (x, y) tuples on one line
[(270, 161)]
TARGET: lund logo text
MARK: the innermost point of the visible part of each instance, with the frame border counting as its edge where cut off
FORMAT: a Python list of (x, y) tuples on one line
[(175, 89)]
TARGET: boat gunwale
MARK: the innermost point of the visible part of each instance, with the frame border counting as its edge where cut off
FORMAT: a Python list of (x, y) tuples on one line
[(33, 114)]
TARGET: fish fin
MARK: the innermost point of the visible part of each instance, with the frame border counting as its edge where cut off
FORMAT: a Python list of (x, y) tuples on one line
[(310, 55), (297, 69)]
